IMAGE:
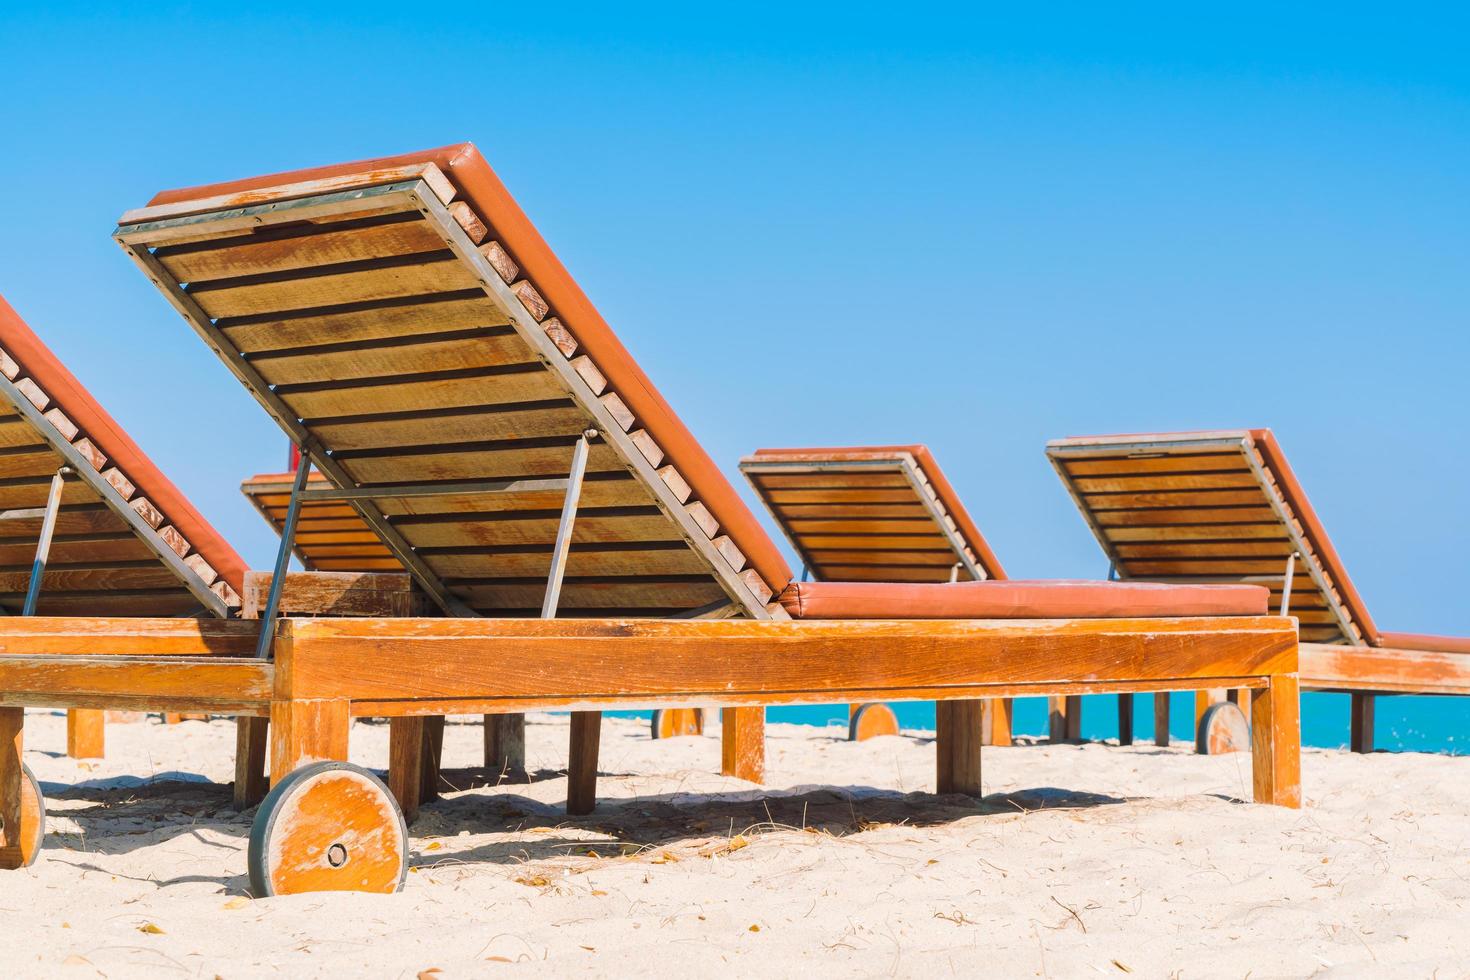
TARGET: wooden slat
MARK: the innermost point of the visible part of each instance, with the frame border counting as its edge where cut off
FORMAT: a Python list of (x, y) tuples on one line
[(555, 661), (491, 347), (806, 526), (297, 247), (829, 480), (372, 321), (1171, 463), (583, 562), (450, 390), (590, 527), (468, 463), (496, 423), (1188, 515), (618, 593), (1194, 498), (437, 272), (791, 512), (785, 497)]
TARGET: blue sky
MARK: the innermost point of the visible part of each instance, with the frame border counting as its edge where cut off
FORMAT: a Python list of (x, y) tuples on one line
[(976, 229)]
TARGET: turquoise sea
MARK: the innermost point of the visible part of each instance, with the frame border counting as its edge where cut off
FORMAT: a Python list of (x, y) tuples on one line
[(1402, 724)]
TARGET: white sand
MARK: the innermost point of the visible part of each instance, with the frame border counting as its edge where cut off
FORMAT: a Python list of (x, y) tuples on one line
[(1143, 862)]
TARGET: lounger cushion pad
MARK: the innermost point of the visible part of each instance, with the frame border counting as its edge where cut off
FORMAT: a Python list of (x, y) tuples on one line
[(1018, 599)]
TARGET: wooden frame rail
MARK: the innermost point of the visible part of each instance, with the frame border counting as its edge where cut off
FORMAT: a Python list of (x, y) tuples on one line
[(327, 671)]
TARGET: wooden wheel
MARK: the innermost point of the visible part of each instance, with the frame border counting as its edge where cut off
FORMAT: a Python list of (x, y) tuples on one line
[(32, 830), (1222, 729), (328, 826), (673, 722), (870, 721)]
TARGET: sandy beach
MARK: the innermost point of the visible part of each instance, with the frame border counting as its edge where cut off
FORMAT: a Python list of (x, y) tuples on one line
[(1081, 860)]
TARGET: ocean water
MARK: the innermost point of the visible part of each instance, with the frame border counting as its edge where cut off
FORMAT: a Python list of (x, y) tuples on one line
[(1401, 724)]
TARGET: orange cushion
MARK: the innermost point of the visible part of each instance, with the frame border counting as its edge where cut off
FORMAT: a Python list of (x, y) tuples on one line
[(1018, 599), (1421, 641)]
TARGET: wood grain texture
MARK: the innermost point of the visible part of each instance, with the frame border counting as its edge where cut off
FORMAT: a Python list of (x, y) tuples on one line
[(252, 756), (1064, 719), (586, 735), (303, 731), (870, 720), (957, 741), (998, 721), (406, 764), (334, 830), (15, 850), (1161, 719), (608, 661), (1276, 775), (1333, 667), (86, 733), (332, 594), (175, 683), (743, 743), (433, 757), (429, 173), (505, 743)]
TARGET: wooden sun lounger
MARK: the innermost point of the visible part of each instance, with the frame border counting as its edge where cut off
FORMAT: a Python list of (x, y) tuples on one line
[(1224, 506), (88, 525), (407, 327), (876, 514)]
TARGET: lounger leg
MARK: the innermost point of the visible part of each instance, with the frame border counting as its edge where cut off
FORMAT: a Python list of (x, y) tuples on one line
[(999, 728), (1362, 724), (957, 744), (1066, 718), (252, 745), (86, 733), (15, 848), (433, 757), (1125, 719), (505, 743), (406, 764), (1161, 718), (1276, 742), (582, 762), (743, 743), (307, 731)]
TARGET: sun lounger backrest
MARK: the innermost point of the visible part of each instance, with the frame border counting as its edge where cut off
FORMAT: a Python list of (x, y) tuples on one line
[(404, 320), (331, 536), (1220, 506), (127, 543), (871, 513)]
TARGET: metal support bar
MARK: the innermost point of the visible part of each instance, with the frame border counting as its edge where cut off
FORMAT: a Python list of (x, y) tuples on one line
[(406, 490), (1286, 587), (43, 544), (564, 529), (283, 560)]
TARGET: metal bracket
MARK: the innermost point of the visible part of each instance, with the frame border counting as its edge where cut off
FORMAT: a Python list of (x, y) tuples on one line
[(564, 528), (1286, 587), (283, 560), (43, 543), (404, 491)]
